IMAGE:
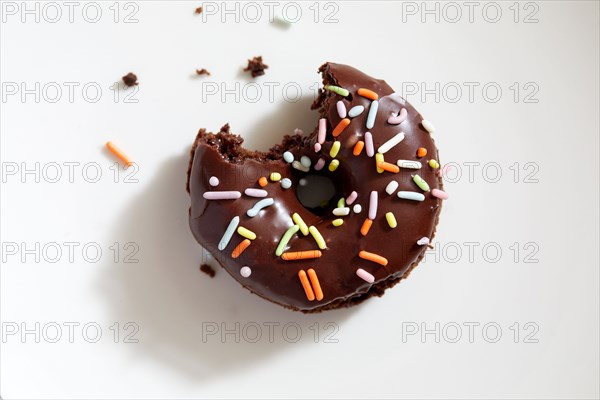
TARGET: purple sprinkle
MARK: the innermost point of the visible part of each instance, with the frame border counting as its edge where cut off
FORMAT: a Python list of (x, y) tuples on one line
[(223, 195), (398, 119), (373, 205), (255, 192), (320, 164), (369, 144), (341, 109), (351, 198)]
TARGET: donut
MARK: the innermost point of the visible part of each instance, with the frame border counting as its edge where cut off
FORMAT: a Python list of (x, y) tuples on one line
[(328, 219)]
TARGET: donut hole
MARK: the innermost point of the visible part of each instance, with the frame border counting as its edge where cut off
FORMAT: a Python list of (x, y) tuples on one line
[(315, 193)]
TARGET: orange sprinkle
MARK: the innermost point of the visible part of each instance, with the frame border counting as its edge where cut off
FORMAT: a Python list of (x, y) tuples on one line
[(422, 152), (364, 229), (376, 258), (312, 275), (240, 248), (358, 148), (340, 127), (117, 152), (263, 181), (301, 255), (386, 166), (306, 285), (369, 94)]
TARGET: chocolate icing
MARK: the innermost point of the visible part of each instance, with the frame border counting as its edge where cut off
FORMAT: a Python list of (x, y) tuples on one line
[(274, 279)]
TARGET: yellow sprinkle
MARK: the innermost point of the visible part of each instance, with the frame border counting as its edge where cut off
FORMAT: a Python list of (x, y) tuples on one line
[(335, 148), (391, 220), (333, 165), (434, 164), (337, 222), (275, 176), (300, 222), (379, 158), (318, 238), (247, 233)]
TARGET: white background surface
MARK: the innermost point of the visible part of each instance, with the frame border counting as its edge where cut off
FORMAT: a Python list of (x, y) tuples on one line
[(170, 301)]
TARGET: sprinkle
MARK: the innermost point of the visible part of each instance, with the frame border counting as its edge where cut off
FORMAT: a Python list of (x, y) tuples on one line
[(322, 130), (318, 238), (288, 157), (366, 226), (411, 196), (286, 183), (444, 170), (341, 211), (365, 276), (355, 111), (421, 152), (301, 255), (372, 114), (379, 159), (369, 144), (255, 192), (440, 194), (341, 202), (320, 164), (297, 165), (337, 222), (335, 148), (275, 176), (333, 165), (300, 222), (338, 90), (314, 281), (357, 208), (409, 164), (386, 166), (387, 146), (358, 147), (373, 205), (253, 212), (240, 248), (391, 220), (428, 126), (421, 183), (340, 127), (298, 132), (391, 187), (376, 258), (213, 181), (434, 164), (263, 181), (423, 241), (310, 295), (224, 195), (369, 94), (341, 109), (245, 271), (291, 231), (117, 152), (398, 119), (351, 198), (317, 147), (229, 233), (247, 233), (305, 161)]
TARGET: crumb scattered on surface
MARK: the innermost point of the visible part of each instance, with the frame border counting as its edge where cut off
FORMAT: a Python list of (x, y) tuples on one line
[(256, 66), (130, 79), (202, 71), (208, 270), (198, 10)]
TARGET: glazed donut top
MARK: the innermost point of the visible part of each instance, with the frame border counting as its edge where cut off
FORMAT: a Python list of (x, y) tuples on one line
[(378, 154)]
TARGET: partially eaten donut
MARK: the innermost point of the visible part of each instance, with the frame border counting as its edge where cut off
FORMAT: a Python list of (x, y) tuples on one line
[(324, 220)]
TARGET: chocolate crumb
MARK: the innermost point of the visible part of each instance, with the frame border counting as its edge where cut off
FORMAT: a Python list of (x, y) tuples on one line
[(256, 67), (202, 71), (130, 79), (208, 270), (198, 10)]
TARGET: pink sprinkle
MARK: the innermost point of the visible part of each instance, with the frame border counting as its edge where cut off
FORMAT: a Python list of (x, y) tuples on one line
[(317, 147), (351, 198), (364, 275), (224, 195), (444, 170), (398, 119), (369, 144), (440, 194), (373, 205), (341, 109), (322, 130), (320, 164), (423, 241), (252, 192)]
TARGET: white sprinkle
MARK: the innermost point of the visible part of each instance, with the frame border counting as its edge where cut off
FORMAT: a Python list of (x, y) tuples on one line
[(245, 271), (322, 130), (372, 114), (341, 211), (364, 275), (286, 183), (253, 212), (373, 205), (356, 111), (428, 126), (317, 147), (409, 164), (341, 109), (224, 195), (411, 196), (305, 161), (391, 187), (213, 181), (423, 241), (229, 233), (357, 208), (387, 146), (288, 157), (369, 147), (255, 192), (351, 198), (320, 164), (300, 167)]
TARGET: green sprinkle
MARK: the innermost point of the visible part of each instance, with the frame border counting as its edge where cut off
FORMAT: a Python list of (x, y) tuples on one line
[(318, 238), (275, 176), (335, 148), (421, 183), (434, 164), (300, 222), (341, 203), (391, 220), (247, 233), (285, 239), (379, 158), (333, 165), (336, 89), (337, 222)]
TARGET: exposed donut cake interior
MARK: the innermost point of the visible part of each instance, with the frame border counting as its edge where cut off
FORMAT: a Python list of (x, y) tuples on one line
[(324, 220)]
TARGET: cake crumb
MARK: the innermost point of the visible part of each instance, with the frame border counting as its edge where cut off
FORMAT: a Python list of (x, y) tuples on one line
[(256, 66), (130, 79), (202, 71), (208, 270), (198, 10)]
